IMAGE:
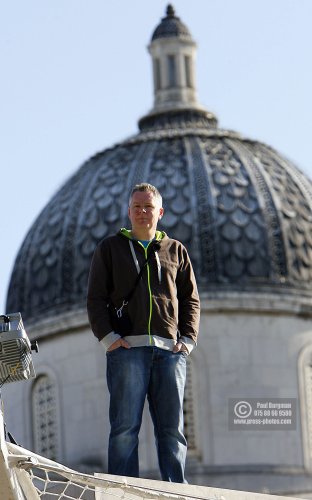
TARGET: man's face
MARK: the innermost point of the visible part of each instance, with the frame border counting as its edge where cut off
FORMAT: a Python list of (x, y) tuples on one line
[(144, 212)]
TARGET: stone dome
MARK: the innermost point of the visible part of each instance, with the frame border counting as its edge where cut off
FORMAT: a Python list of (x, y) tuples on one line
[(171, 26), (243, 211)]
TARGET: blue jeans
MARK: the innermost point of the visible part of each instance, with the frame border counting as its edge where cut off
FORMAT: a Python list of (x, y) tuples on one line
[(133, 374)]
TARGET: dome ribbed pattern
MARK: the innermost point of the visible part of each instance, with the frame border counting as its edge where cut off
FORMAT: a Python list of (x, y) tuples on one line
[(242, 210), (171, 26)]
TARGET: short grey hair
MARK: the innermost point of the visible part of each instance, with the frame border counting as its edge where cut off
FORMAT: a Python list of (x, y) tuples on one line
[(147, 188)]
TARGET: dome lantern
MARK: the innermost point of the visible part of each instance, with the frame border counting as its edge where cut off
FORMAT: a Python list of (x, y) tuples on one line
[(173, 52)]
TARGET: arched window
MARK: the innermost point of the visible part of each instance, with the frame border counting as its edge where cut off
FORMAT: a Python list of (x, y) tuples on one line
[(190, 425), (172, 71), (305, 380), (188, 71), (157, 78), (45, 424)]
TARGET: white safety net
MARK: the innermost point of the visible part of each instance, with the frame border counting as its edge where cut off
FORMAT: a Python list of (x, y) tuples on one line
[(43, 479)]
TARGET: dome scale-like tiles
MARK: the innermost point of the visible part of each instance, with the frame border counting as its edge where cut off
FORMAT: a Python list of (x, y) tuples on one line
[(243, 212)]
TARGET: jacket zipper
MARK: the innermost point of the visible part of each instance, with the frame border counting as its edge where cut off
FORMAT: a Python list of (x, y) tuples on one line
[(150, 296)]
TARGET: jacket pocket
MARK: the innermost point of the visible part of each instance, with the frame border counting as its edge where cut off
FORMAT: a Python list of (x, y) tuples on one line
[(165, 316)]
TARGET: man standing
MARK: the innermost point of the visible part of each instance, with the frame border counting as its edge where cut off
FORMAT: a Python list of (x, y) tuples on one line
[(147, 358)]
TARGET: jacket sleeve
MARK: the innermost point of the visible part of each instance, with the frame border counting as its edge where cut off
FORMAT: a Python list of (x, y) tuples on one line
[(189, 304), (99, 285)]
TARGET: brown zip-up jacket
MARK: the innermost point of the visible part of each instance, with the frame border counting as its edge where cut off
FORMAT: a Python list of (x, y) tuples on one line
[(165, 305)]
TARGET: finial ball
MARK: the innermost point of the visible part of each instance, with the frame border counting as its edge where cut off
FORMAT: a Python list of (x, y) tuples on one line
[(170, 10)]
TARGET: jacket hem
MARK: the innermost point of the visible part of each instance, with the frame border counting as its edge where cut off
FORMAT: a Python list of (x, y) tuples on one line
[(157, 341)]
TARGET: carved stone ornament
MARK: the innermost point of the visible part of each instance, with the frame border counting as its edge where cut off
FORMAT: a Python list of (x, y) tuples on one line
[(242, 210)]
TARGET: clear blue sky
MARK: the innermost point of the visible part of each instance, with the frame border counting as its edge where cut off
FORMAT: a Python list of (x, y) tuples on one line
[(76, 77)]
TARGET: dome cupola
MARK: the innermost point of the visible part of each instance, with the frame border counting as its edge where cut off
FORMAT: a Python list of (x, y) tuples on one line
[(173, 53)]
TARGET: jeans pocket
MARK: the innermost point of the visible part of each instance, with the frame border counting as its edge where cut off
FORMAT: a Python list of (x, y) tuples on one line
[(109, 353)]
